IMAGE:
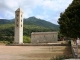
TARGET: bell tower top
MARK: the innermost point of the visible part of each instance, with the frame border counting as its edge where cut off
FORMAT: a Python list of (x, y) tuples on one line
[(19, 10)]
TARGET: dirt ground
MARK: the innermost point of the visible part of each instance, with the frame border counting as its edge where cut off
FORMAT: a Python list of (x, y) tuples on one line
[(24, 53), (27, 52)]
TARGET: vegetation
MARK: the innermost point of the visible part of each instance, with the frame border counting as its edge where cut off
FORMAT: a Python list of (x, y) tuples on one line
[(40, 22), (7, 29), (26, 39), (7, 32), (69, 20), (33, 21), (62, 57)]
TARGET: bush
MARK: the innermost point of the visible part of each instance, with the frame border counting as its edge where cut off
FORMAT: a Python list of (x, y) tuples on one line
[(26, 39), (62, 57)]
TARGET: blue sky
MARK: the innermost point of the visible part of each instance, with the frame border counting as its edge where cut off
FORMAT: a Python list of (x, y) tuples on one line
[(48, 10)]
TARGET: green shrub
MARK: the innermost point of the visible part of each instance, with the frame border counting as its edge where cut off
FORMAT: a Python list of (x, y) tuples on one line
[(26, 39), (62, 57), (5, 42)]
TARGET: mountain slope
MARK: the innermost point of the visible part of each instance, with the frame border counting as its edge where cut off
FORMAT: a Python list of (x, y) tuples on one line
[(5, 21), (40, 22), (33, 21)]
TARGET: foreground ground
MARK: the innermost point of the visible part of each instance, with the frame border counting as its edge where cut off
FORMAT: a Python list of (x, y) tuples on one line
[(29, 52)]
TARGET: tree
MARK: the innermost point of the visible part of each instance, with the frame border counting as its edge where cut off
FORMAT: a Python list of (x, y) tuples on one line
[(69, 20)]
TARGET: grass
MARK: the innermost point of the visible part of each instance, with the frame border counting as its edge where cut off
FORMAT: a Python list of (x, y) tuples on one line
[(62, 57)]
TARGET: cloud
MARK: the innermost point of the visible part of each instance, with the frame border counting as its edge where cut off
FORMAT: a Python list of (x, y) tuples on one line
[(56, 4), (39, 16), (8, 6), (55, 7), (44, 9)]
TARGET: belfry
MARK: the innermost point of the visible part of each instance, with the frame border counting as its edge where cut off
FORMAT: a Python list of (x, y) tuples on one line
[(18, 38)]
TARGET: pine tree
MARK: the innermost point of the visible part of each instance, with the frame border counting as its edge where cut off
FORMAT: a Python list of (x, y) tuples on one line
[(69, 20)]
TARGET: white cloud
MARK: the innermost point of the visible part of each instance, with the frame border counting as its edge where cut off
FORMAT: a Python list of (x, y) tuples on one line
[(38, 16), (54, 20), (56, 4), (44, 16), (8, 7), (9, 15), (12, 5)]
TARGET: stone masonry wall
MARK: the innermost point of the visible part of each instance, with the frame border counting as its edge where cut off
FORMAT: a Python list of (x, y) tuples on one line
[(44, 37)]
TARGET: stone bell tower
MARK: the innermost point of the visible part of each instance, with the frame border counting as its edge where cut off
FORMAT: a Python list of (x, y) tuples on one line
[(18, 39)]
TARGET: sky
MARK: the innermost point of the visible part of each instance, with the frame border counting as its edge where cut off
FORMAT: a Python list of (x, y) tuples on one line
[(48, 10)]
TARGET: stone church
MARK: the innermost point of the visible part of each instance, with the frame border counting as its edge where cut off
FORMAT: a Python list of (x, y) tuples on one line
[(44, 37), (36, 37)]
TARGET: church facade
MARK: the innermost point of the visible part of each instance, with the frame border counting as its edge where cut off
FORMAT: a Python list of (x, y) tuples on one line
[(44, 37)]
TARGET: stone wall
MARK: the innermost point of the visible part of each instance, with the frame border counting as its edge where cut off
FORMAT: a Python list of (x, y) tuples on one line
[(44, 37)]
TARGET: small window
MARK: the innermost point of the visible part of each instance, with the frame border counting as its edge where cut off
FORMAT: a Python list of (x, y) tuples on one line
[(21, 25), (17, 11), (17, 20), (17, 25), (17, 15)]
